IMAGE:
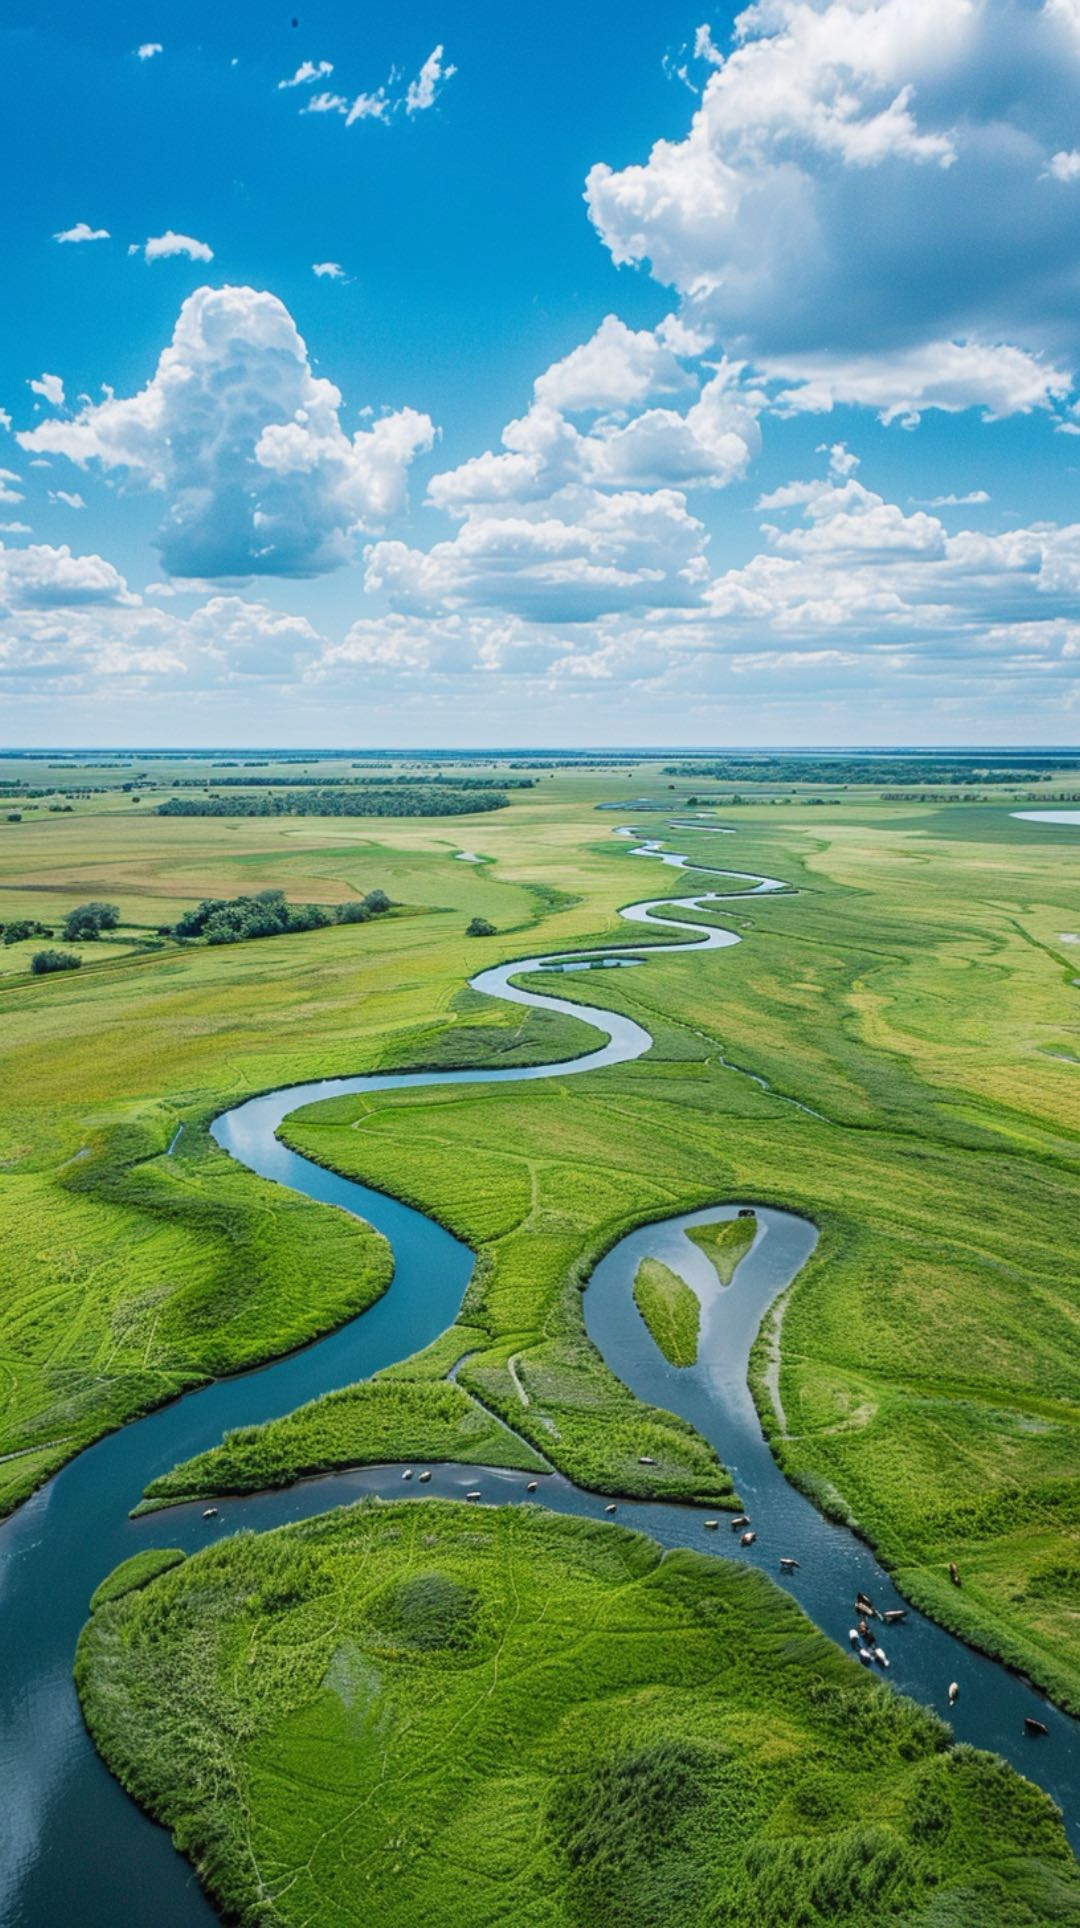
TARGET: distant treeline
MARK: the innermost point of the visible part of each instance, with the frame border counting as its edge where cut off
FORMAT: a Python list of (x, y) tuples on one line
[(367, 783), (233, 920), (987, 767), (976, 796), (418, 801)]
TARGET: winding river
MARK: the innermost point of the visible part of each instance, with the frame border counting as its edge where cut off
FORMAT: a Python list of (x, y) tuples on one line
[(73, 1847)]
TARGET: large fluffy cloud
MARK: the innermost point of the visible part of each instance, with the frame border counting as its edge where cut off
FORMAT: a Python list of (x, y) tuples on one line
[(873, 200), (43, 577), (246, 444), (569, 558), (706, 442), (62, 630), (842, 561)]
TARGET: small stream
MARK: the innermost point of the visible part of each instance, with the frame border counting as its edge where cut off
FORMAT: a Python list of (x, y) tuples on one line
[(73, 1847)]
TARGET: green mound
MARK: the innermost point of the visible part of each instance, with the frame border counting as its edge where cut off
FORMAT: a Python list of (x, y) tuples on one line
[(428, 1613), (476, 1716), (670, 1310)]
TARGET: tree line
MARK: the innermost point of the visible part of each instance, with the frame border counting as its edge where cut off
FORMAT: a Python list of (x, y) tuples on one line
[(419, 801)]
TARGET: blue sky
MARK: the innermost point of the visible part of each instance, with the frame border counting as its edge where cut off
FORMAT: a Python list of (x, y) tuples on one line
[(670, 376)]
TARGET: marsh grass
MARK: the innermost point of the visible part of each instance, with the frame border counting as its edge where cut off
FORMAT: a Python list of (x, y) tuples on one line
[(481, 1716)]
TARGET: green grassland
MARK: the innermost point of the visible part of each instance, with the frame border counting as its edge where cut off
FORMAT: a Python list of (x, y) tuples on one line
[(928, 1358), (480, 1716), (670, 1310), (724, 1243), (916, 995)]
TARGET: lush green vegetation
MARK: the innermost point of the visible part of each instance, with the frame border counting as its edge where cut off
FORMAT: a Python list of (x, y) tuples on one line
[(478, 1716), (479, 927), (43, 962), (670, 1310), (413, 800), (724, 1243), (87, 921), (234, 920), (386, 1418), (21, 928), (136, 1572)]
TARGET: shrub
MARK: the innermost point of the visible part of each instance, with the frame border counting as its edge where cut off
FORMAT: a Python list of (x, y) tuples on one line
[(362, 910), (43, 962), (480, 928), (23, 927), (87, 921)]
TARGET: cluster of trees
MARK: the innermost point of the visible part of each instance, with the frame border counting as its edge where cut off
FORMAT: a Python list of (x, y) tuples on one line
[(87, 921), (233, 920), (22, 927), (480, 928), (43, 962), (417, 800)]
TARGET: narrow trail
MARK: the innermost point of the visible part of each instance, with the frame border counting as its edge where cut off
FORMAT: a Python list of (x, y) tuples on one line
[(73, 1847)]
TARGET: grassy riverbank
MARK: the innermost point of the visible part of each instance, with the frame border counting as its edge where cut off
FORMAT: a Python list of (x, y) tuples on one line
[(480, 1716)]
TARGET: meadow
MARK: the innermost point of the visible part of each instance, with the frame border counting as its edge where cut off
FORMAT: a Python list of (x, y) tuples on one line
[(432, 1713), (912, 1015)]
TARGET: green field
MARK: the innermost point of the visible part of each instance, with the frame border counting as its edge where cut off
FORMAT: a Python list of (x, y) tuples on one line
[(911, 1010), (433, 1713)]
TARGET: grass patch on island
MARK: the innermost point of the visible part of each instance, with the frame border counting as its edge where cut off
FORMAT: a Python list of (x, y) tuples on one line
[(480, 1716), (724, 1243), (670, 1310), (381, 1419)]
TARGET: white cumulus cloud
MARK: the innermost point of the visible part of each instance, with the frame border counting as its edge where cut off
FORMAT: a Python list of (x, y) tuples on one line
[(51, 388), (160, 247), (572, 557), (148, 49), (328, 270), (859, 205), (42, 577), (82, 231), (246, 446)]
